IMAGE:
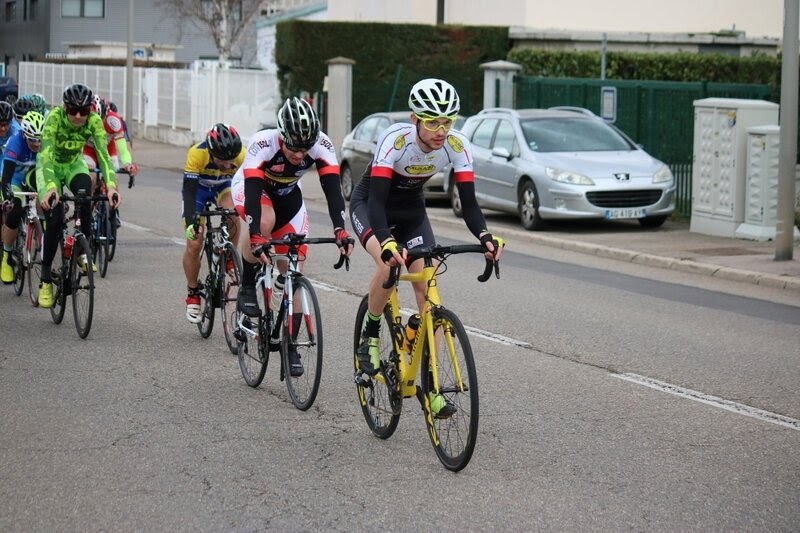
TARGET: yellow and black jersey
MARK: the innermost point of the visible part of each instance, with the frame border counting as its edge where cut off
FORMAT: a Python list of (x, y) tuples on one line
[(201, 167)]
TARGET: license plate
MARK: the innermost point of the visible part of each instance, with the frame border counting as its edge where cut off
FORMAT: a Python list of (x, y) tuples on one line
[(629, 212)]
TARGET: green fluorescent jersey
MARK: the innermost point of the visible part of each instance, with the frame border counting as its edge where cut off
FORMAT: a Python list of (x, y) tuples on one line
[(62, 143)]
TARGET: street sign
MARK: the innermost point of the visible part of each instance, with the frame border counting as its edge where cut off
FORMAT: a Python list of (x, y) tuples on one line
[(608, 104)]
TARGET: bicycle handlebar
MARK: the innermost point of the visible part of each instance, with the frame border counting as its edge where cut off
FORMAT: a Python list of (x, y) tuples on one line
[(120, 171), (216, 213), (81, 198), (441, 252), (293, 240)]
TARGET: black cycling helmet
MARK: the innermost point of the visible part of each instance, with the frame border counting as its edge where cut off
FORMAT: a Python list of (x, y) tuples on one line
[(22, 106), (224, 142), (6, 112), (298, 124), (78, 95)]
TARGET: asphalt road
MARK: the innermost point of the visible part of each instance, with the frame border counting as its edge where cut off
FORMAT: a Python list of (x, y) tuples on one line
[(613, 397)]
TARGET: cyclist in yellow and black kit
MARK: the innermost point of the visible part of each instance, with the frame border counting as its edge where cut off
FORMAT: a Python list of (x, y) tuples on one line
[(210, 165), (387, 208)]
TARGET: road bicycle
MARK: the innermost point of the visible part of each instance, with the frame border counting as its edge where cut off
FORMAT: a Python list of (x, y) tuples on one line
[(72, 270), (28, 244), (273, 331), (436, 366), (220, 275), (104, 226)]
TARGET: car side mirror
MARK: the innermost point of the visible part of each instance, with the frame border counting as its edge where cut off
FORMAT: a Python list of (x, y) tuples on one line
[(502, 152)]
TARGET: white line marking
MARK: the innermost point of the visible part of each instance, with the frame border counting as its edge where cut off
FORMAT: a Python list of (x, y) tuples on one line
[(488, 335), (715, 401)]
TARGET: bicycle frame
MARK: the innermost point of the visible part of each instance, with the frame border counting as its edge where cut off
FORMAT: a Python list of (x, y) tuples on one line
[(408, 366)]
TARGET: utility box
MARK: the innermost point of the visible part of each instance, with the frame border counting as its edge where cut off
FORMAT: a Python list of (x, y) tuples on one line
[(719, 166), (761, 184)]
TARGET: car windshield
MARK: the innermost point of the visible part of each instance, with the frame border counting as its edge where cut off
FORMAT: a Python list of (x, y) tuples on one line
[(558, 134)]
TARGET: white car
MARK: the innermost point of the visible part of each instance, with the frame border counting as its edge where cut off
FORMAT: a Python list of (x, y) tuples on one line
[(561, 164)]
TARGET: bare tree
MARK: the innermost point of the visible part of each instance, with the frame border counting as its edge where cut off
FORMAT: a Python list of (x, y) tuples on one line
[(227, 19)]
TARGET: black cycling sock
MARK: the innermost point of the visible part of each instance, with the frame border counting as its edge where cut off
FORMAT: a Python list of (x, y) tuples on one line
[(248, 274), (372, 328)]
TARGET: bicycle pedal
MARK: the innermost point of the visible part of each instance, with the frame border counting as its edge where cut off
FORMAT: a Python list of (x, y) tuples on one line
[(362, 380)]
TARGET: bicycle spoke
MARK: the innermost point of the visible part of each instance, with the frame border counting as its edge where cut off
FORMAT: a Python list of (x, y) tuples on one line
[(82, 285), (305, 340), (381, 411), (453, 389)]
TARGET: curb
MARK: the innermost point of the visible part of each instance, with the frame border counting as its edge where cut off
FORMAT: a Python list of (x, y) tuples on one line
[(658, 261)]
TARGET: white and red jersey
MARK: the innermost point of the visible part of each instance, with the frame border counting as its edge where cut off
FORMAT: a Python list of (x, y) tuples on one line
[(117, 146), (399, 158), (264, 160)]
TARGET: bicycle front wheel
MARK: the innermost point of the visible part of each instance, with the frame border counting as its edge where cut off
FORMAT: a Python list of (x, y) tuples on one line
[(33, 259), (451, 410), (19, 263), (60, 278), (231, 281), (207, 284), (374, 395), (81, 276), (302, 340)]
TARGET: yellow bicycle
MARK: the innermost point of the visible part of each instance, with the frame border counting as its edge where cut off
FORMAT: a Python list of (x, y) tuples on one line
[(433, 363)]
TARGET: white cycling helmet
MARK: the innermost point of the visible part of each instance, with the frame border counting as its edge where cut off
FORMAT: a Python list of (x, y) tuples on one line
[(434, 98), (33, 125)]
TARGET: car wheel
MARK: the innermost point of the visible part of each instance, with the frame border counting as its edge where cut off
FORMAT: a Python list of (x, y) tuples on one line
[(652, 222), (528, 207), (347, 181), (455, 201)]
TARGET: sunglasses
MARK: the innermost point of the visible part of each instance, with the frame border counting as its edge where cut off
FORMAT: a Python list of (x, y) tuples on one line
[(434, 124), (75, 111)]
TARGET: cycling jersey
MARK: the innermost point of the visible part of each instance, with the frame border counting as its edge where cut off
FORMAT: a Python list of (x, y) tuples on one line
[(116, 143), (18, 160), (61, 156), (203, 180), (13, 128), (266, 171), (392, 186)]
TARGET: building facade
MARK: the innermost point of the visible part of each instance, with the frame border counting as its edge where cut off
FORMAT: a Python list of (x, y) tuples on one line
[(35, 28)]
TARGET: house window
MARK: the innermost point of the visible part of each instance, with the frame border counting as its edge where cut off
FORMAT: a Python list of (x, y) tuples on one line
[(33, 9), (83, 8), (11, 11)]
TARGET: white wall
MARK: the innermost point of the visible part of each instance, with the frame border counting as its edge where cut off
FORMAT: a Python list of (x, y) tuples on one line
[(758, 18)]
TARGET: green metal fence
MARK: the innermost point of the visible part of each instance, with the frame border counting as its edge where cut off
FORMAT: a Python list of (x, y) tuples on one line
[(659, 115)]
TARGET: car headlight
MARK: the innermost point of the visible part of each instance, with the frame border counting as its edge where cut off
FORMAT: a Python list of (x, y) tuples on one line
[(565, 176), (663, 175)]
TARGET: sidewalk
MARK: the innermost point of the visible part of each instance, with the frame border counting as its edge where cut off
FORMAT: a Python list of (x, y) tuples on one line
[(672, 246)]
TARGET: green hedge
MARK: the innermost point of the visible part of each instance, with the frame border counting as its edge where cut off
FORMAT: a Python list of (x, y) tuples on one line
[(389, 58), (682, 66)]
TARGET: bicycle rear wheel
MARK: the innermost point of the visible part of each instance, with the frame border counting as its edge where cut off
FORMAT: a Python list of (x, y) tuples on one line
[(231, 282), (306, 340), (253, 343), (19, 263), (207, 285), (374, 395), (81, 276), (59, 276), (100, 238), (33, 259), (452, 437)]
